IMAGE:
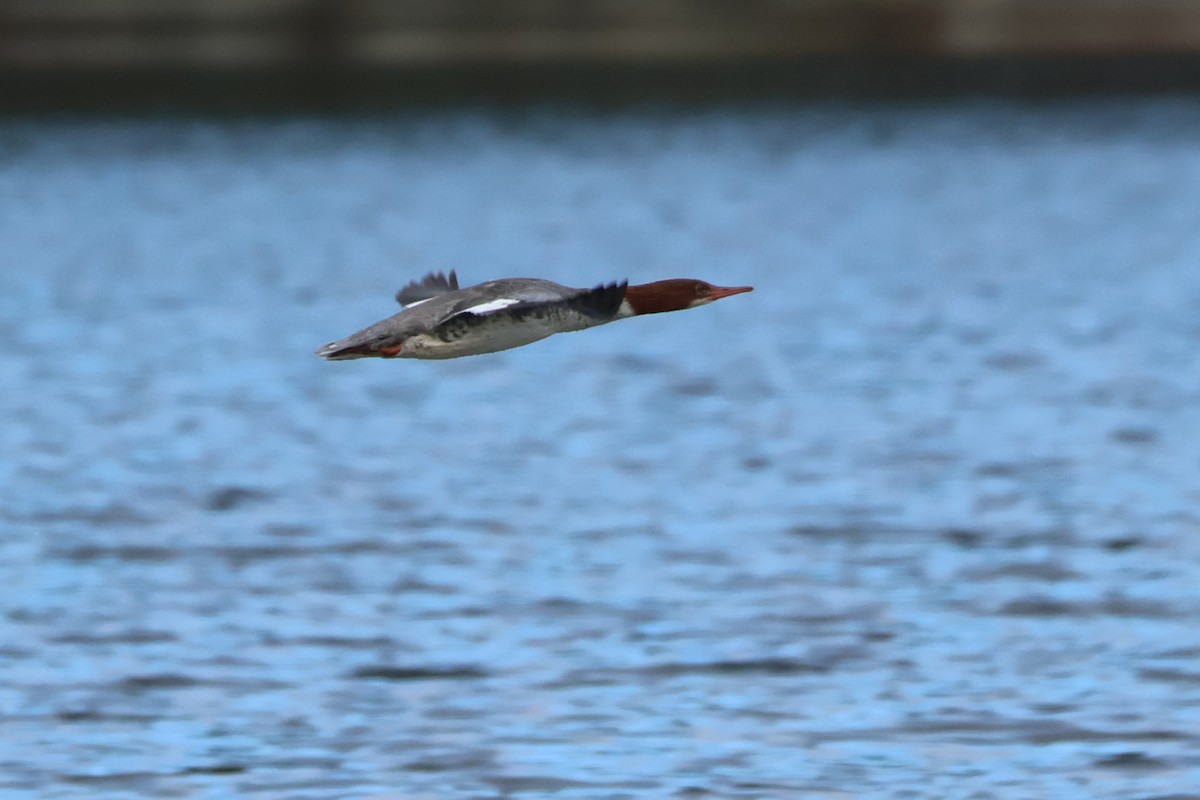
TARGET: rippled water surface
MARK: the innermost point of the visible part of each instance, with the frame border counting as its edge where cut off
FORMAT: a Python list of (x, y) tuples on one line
[(918, 518)]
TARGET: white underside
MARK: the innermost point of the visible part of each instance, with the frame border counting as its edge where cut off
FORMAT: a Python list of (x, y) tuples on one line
[(499, 335)]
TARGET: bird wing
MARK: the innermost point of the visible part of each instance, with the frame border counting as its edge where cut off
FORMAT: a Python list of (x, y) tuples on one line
[(600, 303), (432, 285)]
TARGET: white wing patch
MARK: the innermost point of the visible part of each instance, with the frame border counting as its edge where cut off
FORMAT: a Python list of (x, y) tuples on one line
[(418, 302), (490, 306)]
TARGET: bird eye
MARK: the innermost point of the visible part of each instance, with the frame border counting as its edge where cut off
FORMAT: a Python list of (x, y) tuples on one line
[(701, 290)]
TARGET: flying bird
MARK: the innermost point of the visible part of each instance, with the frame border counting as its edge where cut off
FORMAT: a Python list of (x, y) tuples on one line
[(441, 320)]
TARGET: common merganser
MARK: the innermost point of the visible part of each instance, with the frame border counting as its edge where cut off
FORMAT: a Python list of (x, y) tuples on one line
[(440, 320)]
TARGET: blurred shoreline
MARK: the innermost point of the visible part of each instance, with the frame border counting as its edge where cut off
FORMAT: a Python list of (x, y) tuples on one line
[(264, 55), (818, 79)]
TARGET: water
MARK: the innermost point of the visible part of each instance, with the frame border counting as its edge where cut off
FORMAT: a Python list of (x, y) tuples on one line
[(916, 519)]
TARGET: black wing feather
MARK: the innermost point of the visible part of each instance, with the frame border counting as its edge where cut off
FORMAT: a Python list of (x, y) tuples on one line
[(601, 302), (431, 285)]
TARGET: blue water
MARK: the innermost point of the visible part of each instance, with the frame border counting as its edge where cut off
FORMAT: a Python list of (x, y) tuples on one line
[(916, 519)]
